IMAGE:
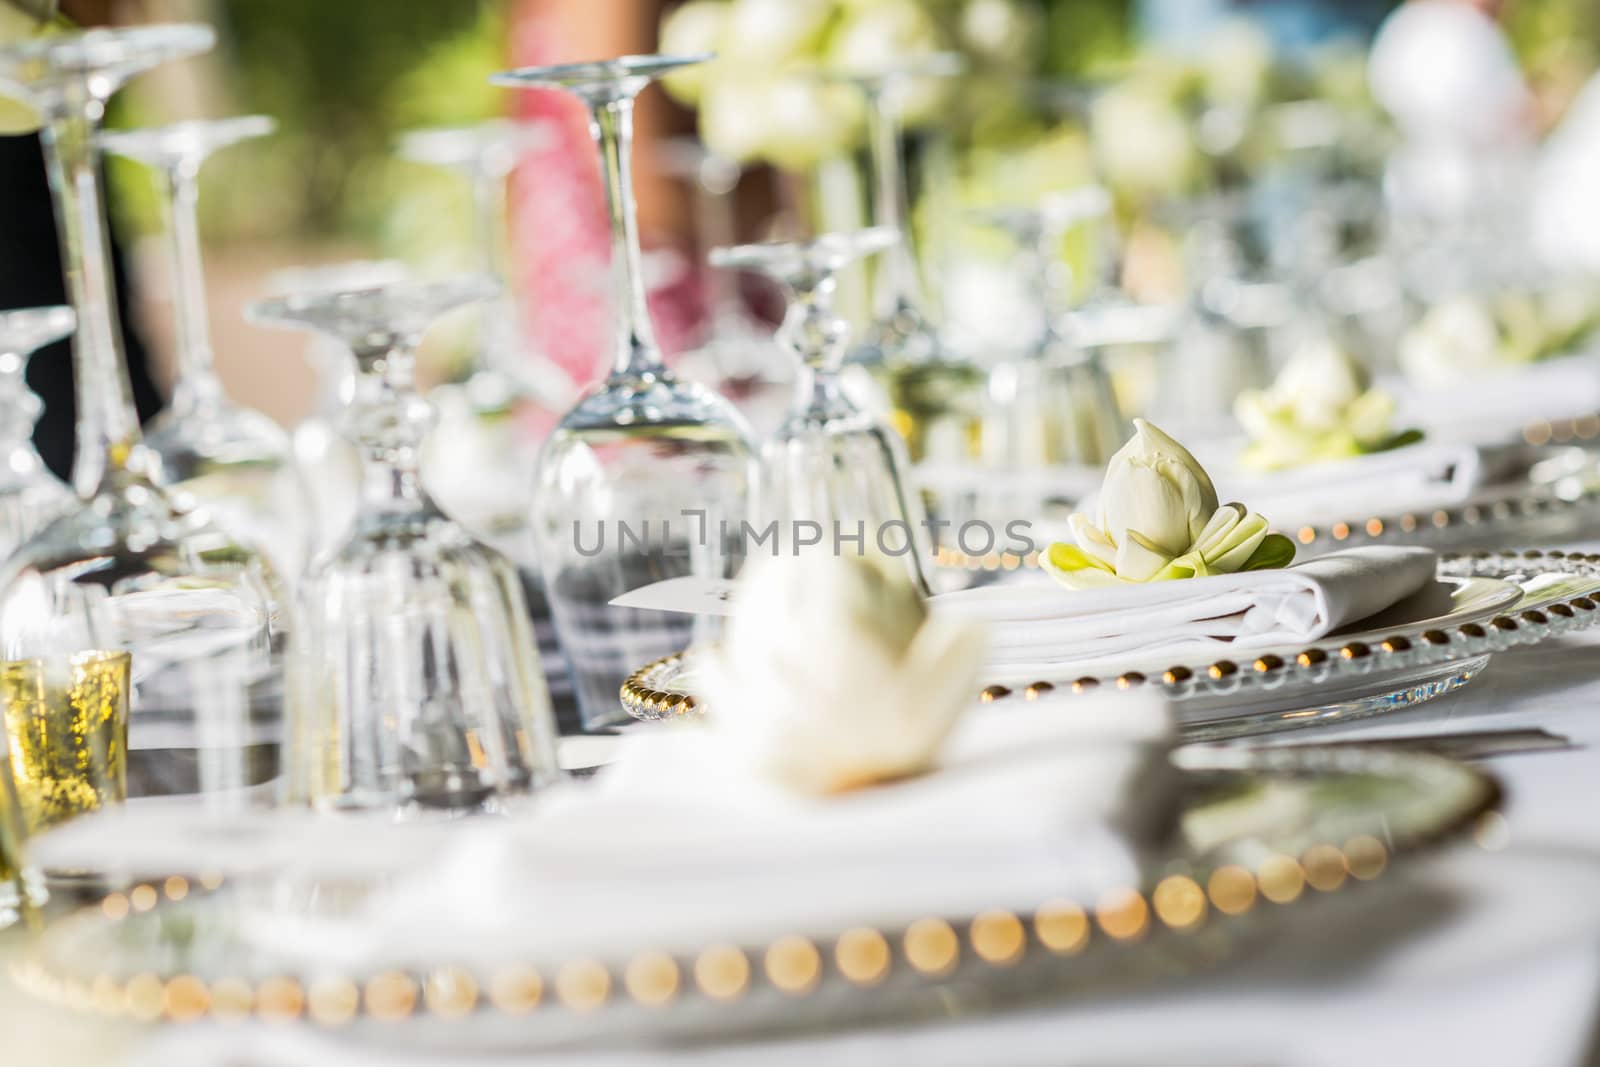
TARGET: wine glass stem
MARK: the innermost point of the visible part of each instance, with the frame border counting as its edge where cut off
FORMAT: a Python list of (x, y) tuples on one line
[(389, 431), (108, 427), (714, 225), (197, 375), (900, 284), (611, 121)]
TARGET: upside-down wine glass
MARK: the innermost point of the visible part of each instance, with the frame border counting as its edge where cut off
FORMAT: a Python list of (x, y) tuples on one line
[(329, 464), (482, 476), (1054, 405), (128, 570), (737, 350), (935, 396), (212, 452), (663, 466), (831, 463), (416, 684), (30, 495)]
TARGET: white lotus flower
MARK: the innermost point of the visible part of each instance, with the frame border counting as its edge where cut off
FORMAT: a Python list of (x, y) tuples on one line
[(1455, 338), (1142, 142), (1321, 407), (884, 35), (1158, 519), (790, 120), (763, 33), (834, 675), (999, 30)]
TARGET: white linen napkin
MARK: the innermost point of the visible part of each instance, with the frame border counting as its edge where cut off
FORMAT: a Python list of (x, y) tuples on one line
[(1496, 407), (1041, 630), (1421, 476), (672, 848)]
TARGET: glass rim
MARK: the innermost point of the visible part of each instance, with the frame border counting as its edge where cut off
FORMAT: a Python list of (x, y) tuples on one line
[(189, 139), (26, 330), (102, 48), (468, 144), (825, 252), (577, 76), (380, 309), (930, 65)]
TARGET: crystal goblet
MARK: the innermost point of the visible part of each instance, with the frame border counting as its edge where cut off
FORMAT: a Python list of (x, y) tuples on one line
[(210, 451), (329, 464), (935, 396), (200, 612), (737, 350), (1053, 405), (417, 684), (830, 463), (661, 467), (482, 477)]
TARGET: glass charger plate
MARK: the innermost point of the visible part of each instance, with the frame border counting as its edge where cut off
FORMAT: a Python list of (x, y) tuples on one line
[(1531, 494), (1395, 665), (1264, 837)]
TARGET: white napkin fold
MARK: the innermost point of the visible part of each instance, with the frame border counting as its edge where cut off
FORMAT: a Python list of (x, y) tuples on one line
[(1423, 475), (1040, 630), (672, 849), (1496, 407)]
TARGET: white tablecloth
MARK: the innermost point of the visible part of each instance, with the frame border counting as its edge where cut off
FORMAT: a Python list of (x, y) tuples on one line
[(1475, 956)]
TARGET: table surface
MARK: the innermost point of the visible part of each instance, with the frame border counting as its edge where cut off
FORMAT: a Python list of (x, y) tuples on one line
[(1488, 953)]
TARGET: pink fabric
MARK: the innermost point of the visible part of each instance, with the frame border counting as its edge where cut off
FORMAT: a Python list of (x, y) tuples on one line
[(559, 234)]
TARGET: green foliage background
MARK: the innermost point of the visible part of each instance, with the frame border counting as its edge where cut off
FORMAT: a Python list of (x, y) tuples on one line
[(345, 77)]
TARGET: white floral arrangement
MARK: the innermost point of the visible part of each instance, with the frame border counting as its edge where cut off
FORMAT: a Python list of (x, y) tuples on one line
[(1157, 520), (1465, 334), (1322, 407), (834, 675), (762, 99)]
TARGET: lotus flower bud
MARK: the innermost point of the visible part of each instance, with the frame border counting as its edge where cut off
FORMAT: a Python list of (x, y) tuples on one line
[(834, 674), (1159, 520)]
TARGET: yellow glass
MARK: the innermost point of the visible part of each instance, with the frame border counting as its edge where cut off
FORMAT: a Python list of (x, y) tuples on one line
[(66, 723), (12, 886)]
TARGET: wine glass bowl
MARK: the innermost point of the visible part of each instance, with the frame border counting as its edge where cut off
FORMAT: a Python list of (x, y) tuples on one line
[(211, 452), (482, 477), (1053, 405), (831, 463), (200, 613), (416, 686), (649, 476)]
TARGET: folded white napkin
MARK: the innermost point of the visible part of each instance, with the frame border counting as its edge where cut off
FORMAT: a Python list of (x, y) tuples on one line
[(1040, 630), (1425, 475), (1495, 407), (672, 848)]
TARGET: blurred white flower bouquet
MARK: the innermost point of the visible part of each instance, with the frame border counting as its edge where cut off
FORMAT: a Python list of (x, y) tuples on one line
[(1467, 334), (762, 99), (1322, 407)]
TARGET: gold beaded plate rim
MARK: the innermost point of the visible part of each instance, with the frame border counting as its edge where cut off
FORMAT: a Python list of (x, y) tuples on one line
[(1200, 902), (1418, 662), (1507, 512)]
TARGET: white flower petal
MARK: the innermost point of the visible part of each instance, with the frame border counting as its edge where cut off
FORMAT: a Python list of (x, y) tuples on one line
[(1138, 560)]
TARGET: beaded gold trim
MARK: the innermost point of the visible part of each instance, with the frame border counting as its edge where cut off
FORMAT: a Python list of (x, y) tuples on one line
[(792, 965), (1185, 900), (1323, 661)]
